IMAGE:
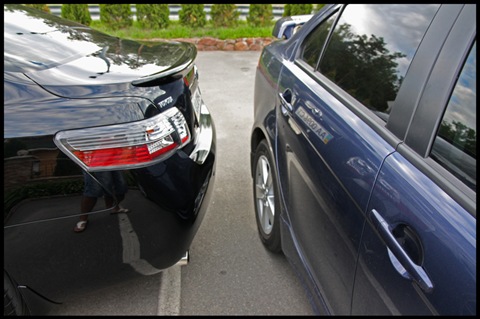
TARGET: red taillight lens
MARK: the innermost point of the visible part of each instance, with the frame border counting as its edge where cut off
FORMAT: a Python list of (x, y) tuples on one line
[(128, 145)]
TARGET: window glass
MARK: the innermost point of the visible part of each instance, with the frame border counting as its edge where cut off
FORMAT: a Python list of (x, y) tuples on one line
[(372, 47), (313, 44), (455, 146)]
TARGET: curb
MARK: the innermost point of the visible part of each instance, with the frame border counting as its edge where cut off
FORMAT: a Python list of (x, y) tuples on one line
[(213, 44)]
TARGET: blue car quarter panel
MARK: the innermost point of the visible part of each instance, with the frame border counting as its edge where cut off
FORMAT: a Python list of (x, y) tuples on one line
[(327, 160), (436, 233)]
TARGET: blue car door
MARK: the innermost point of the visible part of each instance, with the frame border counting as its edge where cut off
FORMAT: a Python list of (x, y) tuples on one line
[(327, 162), (337, 87), (418, 252)]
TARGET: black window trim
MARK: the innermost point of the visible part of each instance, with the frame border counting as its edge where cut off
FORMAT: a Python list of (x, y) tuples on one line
[(442, 80), (310, 26), (339, 13), (434, 100), (420, 69)]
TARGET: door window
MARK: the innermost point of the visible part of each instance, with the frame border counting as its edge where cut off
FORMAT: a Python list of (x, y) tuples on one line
[(314, 42), (371, 48), (455, 146)]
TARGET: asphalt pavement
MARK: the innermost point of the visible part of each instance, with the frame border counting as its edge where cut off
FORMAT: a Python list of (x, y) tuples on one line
[(229, 272)]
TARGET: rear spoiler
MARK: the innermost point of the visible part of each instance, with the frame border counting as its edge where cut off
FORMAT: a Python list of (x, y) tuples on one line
[(285, 27), (176, 71)]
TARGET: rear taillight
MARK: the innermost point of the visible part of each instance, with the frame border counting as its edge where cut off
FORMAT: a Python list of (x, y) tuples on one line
[(127, 145)]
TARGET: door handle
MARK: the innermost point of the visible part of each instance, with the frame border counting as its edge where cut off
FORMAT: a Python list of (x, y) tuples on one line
[(286, 100), (400, 256)]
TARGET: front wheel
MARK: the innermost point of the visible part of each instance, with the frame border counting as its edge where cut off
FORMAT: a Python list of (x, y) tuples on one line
[(13, 302), (266, 199)]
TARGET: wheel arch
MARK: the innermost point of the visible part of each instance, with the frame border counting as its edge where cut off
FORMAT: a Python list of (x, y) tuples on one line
[(257, 136)]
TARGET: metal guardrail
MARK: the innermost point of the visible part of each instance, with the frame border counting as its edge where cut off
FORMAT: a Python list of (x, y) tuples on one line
[(94, 9)]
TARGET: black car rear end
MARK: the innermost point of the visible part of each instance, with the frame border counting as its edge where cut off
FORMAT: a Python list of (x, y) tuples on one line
[(102, 104)]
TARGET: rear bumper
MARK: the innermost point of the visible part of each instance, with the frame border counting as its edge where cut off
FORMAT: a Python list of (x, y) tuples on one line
[(167, 202)]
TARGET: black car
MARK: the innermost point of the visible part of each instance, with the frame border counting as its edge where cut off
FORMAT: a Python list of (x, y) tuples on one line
[(87, 116), (363, 156)]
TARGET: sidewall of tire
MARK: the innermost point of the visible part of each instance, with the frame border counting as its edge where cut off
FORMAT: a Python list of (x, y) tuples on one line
[(273, 240)]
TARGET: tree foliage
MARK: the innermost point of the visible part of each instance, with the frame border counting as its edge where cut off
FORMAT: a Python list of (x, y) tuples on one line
[(224, 15), (260, 15), (192, 15), (297, 9), (116, 16), (461, 136), (77, 12), (318, 7), (368, 70), (153, 15)]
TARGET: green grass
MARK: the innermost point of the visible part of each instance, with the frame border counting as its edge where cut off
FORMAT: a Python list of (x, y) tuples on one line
[(176, 30)]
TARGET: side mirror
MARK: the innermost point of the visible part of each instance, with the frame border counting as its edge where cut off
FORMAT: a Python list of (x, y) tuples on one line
[(287, 26)]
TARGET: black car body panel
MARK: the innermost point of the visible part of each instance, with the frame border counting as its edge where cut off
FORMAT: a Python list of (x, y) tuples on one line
[(55, 87)]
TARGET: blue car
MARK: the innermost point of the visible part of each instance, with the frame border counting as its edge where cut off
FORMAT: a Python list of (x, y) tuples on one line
[(363, 156)]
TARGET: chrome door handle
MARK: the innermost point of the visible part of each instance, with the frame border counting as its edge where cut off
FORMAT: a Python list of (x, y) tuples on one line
[(415, 271)]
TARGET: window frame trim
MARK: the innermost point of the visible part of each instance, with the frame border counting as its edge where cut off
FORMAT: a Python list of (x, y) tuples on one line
[(443, 79), (441, 82)]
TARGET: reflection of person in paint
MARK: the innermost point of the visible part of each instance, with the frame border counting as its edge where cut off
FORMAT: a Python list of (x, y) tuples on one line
[(113, 194)]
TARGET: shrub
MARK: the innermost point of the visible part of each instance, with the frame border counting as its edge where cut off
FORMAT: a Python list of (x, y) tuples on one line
[(116, 16), (192, 15), (153, 16), (38, 6), (224, 15), (260, 15), (318, 7), (297, 9), (76, 12)]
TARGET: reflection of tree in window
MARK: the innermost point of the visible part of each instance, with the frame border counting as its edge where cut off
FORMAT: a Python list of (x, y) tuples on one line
[(460, 136), (455, 146), (461, 110), (314, 42), (363, 67)]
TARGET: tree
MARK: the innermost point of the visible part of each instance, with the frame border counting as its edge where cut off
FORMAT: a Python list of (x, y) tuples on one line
[(192, 15), (260, 15), (367, 70), (460, 135), (318, 7), (153, 15), (116, 16), (297, 9), (76, 12), (224, 15)]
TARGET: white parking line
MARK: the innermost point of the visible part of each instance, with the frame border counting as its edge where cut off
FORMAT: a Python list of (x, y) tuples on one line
[(131, 248), (169, 293), (170, 280)]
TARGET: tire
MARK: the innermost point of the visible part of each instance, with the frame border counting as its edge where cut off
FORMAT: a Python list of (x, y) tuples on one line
[(265, 194), (13, 302)]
